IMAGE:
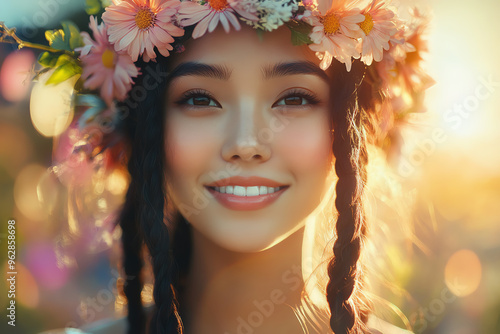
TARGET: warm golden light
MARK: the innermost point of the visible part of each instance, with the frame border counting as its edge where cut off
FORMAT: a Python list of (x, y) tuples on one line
[(28, 292), (147, 293), (463, 273), (25, 192), (48, 191), (117, 182)]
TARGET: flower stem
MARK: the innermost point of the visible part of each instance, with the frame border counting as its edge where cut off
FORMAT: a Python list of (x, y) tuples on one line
[(6, 32)]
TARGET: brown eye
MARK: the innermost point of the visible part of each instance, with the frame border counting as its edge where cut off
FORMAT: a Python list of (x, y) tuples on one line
[(293, 100), (198, 98), (200, 101), (297, 97)]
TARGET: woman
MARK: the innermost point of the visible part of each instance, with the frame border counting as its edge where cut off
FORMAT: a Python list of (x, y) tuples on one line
[(223, 93), (233, 156), (242, 113), (241, 264)]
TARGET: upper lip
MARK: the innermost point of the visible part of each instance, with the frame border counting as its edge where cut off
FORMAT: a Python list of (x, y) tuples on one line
[(245, 182)]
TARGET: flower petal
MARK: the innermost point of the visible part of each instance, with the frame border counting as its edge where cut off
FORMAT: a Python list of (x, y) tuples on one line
[(224, 22), (201, 27), (214, 22), (232, 19)]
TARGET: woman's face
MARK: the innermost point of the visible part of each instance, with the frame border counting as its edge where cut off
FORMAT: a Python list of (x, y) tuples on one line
[(240, 107)]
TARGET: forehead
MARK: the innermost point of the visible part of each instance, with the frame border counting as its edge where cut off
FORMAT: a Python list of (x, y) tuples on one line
[(243, 50)]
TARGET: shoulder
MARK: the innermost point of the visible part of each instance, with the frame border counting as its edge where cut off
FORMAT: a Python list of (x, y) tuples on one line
[(378, 325)]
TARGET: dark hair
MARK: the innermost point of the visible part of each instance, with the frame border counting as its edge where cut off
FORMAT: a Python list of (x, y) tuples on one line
[(143, 217), (349, 308)]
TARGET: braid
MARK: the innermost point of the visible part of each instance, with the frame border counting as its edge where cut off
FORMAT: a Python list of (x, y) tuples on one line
[(132, 262), (147, 168), (132, 241), (349, 149)]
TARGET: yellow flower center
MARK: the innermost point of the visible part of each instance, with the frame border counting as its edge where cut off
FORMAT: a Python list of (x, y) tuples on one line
[(367, 24), (331, 23), (144, 18), (218, 5), (108, 58)]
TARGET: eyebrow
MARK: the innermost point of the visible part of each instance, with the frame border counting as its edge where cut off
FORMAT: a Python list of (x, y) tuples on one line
[(222, 72), (200, 69), (291, 68)]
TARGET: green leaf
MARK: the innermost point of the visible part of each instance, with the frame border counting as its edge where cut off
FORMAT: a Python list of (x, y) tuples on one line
[(66, 67), (48, 59), (299, 38), (92, 7), (67, 38), (300, 32), (299, 26), (56, 39), (71, 30), (63, 73), (260, 34), (79, 84), (63, 59)]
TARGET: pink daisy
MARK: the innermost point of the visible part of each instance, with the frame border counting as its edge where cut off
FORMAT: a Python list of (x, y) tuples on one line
[(104, 67), (408, 38), (379, 27), (137, 26), (399, 45), (212, 12), (407, 80), (334, 34)]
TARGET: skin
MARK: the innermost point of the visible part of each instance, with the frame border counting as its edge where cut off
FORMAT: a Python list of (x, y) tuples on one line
[(241, 257)]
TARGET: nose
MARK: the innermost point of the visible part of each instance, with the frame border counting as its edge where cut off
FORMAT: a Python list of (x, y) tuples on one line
[(245, 138)]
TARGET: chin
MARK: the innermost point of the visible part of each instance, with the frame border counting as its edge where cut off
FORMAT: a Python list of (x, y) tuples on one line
[(247, 236)]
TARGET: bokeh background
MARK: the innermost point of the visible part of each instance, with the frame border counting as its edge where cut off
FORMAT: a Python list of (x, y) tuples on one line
[(451, 165)]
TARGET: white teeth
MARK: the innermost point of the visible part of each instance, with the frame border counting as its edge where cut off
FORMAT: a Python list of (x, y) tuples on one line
[(247, 191), (252, 191), (263, 190), (240, 191)]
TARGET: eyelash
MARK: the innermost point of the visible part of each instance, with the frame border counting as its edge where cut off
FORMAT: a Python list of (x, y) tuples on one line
[(308, 96), (192, 94)]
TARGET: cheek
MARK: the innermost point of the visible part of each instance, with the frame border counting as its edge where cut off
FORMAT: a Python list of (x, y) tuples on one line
[(189, 148), (306, 146)]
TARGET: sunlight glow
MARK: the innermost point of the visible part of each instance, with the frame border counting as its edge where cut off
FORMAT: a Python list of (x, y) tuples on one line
[(463, 273), (50, 105), (25, 192)]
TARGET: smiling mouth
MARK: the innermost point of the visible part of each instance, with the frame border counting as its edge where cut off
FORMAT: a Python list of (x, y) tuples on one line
[(246, 198), (247, 191)]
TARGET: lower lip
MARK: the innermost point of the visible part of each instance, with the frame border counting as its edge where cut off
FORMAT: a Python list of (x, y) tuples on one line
[(242, 203)]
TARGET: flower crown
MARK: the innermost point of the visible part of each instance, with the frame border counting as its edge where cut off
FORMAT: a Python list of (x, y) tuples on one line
[(143, 28), (98, 71), (369, 30)]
